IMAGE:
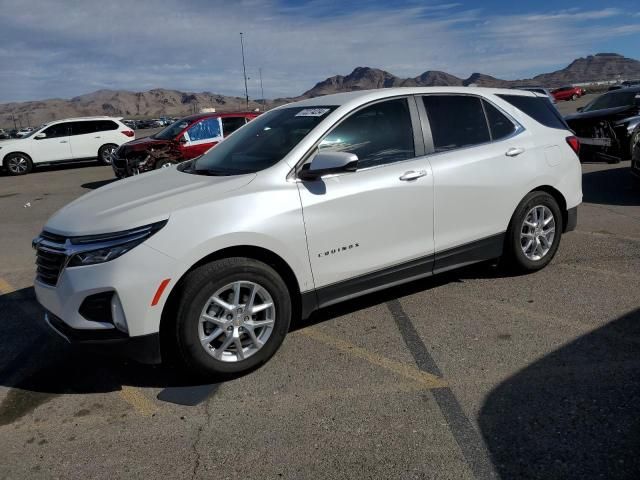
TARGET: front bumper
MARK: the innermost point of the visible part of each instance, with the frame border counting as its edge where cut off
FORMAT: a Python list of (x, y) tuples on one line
[(143, 349), (133, 280)]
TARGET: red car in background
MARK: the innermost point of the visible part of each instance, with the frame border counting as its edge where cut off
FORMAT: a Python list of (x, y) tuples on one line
[(568, 93), (183, 140)]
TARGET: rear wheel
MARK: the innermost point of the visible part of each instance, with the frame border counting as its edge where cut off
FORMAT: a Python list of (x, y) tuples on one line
[(534, 233), (232, 316), (105, 152), (18, 164)]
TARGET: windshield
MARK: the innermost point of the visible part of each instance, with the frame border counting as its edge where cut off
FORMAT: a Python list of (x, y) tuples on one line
[(172, 130), (612, 100), (261, 143)]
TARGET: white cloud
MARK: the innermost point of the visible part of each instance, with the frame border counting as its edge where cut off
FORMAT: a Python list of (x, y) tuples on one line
[(51, 51)]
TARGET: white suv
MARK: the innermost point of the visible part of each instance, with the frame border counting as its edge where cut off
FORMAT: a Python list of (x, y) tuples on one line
[(72, 139), (309, 204)]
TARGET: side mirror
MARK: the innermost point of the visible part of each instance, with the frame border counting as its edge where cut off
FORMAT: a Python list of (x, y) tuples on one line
[(182, 140), (579, 109), (40, 136), (327, 163)]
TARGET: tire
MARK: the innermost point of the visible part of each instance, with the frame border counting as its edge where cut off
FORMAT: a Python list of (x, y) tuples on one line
[(515, 258), (634, 146), (195, 299), (18, 164), (105, 151), (163, 163)]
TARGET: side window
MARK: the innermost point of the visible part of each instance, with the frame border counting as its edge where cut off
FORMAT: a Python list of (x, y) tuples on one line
[(379, 134), (82, 128), (206, 129), (58, 130), (538, 108), (105, 125), (499, 125), (456, 121), (231, 124)]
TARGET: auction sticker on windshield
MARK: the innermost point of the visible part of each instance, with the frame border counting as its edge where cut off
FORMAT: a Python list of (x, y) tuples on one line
[(312, 112)]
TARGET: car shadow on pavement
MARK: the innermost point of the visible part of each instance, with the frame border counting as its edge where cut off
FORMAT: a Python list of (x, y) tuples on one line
[(98, 184), (613, 186), (573, 414), (38, 365)]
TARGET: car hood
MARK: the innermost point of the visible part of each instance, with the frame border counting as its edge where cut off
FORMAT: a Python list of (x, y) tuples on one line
[(140, 200), (596, 114), (144, 143)]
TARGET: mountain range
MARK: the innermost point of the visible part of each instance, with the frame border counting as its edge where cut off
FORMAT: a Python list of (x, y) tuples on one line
[(164, 102)]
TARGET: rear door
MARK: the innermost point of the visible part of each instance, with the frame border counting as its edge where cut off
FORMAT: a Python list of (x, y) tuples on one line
[(231, 124), (200, 137), (374, 226), (478, 160), (85, 141), (54, 147)]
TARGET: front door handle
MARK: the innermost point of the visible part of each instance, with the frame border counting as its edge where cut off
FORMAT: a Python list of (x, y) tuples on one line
[(63, 141), (412, 175), (97, 137), (514, 152)]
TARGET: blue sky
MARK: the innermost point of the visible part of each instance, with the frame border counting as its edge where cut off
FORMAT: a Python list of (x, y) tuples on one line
[(62, 49)]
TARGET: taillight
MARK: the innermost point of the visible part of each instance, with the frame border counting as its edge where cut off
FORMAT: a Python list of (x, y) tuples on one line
[(128, 133), (574, 143)]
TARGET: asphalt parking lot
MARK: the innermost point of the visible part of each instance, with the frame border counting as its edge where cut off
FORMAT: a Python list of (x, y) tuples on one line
[(473, 374)]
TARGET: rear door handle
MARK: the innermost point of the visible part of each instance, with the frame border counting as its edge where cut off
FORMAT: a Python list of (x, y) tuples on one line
[(514, 152), (63, 141), (97, 137), (412, 175)]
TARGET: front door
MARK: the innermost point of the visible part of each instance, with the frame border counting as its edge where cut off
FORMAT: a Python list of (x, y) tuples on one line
[(55, 146), (373, 226), (200, 137)]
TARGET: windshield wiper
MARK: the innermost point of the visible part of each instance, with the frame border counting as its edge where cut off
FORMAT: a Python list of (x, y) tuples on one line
[(212, 172)]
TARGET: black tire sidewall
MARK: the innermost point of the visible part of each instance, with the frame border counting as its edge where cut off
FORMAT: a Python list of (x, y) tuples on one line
[(101, 150), (199, 287), (13, 174), (518, 260), (160, 162)]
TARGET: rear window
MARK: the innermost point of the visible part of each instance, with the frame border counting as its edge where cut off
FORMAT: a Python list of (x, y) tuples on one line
[(456, 121), (538, 108)]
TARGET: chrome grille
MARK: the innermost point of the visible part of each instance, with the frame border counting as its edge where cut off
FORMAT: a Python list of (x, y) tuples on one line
[(50, 257)]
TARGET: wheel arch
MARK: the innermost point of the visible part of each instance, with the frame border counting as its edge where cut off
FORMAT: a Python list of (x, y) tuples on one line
[(558, 196), (249, 251), (4, 159)]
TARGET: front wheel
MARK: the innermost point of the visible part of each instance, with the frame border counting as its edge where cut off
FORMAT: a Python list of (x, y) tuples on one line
[(232, 316), (534, 233), (18, 164)]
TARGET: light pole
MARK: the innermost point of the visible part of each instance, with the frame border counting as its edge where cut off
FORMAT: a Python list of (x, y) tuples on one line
[(244, 71), (261, 89)]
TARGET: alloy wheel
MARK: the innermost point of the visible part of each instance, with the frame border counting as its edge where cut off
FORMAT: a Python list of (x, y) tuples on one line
[(236, 321), (107, 152), (18, 164), (537, 232)]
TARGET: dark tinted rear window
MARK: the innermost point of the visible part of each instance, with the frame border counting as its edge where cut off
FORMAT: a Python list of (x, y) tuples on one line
[(499, 124), (538, 108), (456, 121)]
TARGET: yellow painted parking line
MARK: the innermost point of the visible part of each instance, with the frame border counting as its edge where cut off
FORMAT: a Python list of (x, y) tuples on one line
[(141, 404), (424, 379), (5, 287)]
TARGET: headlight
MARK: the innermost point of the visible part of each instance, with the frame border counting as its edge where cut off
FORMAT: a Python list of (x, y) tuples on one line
[(93, 249)]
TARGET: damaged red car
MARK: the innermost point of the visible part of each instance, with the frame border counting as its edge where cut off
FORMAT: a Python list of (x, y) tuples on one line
[(183, 140)]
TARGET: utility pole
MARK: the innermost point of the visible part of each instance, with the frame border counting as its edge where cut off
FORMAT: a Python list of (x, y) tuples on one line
[(244, 70), (261, 89), (14, 121)]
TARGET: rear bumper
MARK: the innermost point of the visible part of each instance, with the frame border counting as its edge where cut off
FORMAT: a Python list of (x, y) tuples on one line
[(572, 219), (143, 349)]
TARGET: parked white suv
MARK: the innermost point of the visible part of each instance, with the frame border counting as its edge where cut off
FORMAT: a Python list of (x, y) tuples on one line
[(309, 204), (72, 139)]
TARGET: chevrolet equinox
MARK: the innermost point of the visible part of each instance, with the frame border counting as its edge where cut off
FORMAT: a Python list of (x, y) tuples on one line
[(310, 204)]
